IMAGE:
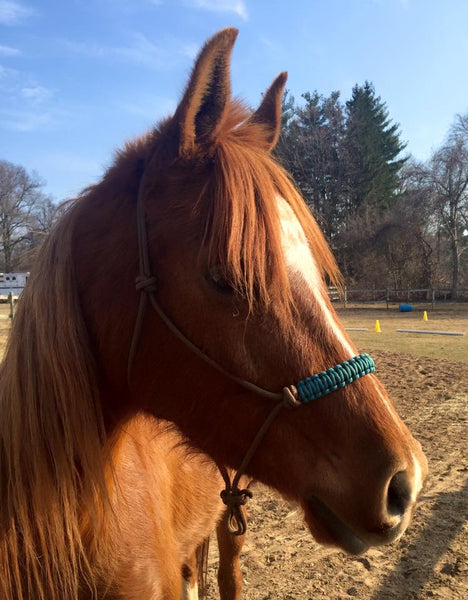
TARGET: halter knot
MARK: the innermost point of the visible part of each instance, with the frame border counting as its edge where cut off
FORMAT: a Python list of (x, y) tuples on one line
[(234, 499), (146, 283), (291, 396)]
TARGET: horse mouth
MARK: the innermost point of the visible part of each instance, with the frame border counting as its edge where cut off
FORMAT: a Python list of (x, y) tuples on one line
[(328, 529)]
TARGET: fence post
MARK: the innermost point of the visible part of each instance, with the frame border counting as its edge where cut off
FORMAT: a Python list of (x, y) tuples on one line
[(10, 301), (433, 298), (388, 297), (345, 296)]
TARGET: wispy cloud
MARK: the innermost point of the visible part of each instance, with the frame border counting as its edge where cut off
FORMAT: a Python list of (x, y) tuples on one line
[(269, 43), (25, 104), (149, 107), (14, 13), (9, 51), (26, 120), (140, 50), (7, 73), (237, 7), (36, 93), (190, 50)]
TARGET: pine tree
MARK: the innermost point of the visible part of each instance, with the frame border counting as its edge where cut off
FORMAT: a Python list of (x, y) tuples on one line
[(309, 148), (372, 145)]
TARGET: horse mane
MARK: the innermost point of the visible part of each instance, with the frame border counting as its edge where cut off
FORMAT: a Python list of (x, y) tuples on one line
[(52, 481)]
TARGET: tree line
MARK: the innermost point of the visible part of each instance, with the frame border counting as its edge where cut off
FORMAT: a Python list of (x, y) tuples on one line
[(391, 220), (26, 215)]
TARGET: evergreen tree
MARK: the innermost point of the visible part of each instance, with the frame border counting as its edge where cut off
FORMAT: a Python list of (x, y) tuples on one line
[(310, 148), (372, 145)]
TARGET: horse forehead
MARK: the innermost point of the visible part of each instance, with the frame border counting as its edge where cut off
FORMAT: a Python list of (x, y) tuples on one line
[(297, 252)]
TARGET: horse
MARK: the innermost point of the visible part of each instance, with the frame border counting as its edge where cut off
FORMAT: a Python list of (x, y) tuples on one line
[(176, 323)]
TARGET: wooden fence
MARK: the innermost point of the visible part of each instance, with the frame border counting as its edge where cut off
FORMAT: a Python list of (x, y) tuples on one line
[(389, 296)]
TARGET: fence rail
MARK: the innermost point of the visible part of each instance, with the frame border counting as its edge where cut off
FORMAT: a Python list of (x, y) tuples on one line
[(389, 296)]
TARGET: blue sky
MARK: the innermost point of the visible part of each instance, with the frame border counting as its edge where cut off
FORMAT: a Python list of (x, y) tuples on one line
[(78, 78)]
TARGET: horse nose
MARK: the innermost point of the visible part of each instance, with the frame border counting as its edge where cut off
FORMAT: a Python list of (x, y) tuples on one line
[(399, 494)]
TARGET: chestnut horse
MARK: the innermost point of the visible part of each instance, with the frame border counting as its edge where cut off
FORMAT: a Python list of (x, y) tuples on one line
[(119, 399)]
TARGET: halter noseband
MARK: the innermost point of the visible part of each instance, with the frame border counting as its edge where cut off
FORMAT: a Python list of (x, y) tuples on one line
[(305, 391)]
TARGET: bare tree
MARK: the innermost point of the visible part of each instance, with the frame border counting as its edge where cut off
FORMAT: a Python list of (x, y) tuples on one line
[(460, 127), (21, 203), (447, 174)]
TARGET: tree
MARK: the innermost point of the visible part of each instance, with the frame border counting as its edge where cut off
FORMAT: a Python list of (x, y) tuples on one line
[(21, 202), (413, 211), (372, 144), (310, 147), (447, 175)]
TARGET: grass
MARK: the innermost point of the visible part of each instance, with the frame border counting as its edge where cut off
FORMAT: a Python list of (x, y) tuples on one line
[(442, 318), (5, 324)]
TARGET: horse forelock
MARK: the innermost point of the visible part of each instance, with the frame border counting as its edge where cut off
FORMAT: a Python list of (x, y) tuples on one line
[(239, 215), (52, 480)]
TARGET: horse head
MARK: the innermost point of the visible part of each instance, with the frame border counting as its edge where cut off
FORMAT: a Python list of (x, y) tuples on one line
[(232, 260)]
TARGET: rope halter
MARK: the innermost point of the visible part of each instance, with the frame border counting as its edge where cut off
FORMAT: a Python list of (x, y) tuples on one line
[(305, 391)]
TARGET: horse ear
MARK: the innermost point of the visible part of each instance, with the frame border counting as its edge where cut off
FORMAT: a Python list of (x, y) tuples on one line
[(269, 112), (207, 93)]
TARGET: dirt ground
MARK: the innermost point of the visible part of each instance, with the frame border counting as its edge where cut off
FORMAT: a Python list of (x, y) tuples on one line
[(282, 561)]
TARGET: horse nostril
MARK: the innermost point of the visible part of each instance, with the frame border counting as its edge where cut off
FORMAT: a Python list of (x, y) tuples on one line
[(399, 494)]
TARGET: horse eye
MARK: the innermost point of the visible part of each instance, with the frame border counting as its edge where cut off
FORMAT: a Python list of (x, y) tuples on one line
[(219, 282)]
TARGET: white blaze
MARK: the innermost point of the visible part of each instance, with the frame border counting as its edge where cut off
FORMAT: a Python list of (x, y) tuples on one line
[(299, 259)]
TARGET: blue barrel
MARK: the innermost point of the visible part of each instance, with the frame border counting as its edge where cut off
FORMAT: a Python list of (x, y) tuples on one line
[(406, 307)]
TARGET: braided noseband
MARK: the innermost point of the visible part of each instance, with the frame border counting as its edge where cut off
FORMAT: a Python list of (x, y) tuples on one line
[(305, 391)]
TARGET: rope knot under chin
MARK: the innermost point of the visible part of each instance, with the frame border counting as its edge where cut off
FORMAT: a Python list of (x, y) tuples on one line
[(234, 500), (146, 283)]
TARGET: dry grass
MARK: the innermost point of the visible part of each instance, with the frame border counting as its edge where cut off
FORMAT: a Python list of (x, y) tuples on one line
[(5, 324), (449, 317), (442, 318)]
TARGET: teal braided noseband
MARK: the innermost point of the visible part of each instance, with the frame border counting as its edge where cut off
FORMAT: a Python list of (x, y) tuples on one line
[(334, 378)]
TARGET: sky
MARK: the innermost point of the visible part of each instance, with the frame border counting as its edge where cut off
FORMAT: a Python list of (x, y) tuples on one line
[(80, 77)]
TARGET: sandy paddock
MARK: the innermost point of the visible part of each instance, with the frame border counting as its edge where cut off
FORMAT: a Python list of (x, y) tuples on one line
[(282, 561)]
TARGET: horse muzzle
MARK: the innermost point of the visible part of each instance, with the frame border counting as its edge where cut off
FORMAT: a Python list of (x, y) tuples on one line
[(385, 527)]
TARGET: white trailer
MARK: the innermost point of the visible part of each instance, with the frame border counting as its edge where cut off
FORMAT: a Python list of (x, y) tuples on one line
[(12, 283)]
